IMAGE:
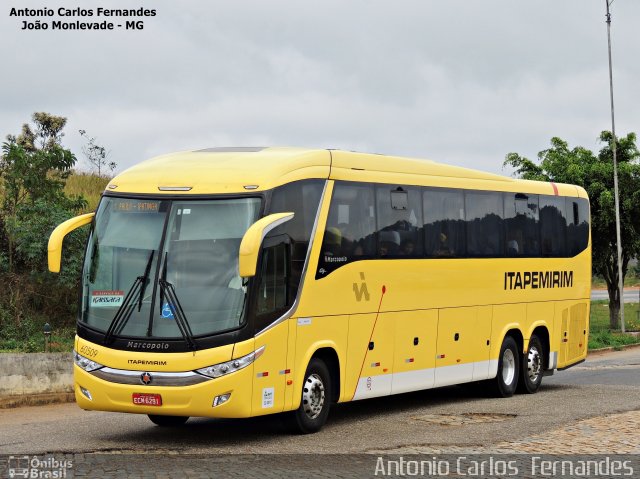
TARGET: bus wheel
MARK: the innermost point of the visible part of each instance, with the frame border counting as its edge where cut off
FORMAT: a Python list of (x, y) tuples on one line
[(504, 384), (315, 401), (532, 367), (168, 421)]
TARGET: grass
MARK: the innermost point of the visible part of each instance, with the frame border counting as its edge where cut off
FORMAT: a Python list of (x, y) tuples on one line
[(630, 281), (601, 336), (88, 185), (61, 341)]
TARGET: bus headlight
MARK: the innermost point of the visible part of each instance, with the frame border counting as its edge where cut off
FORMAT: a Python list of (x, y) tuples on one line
[(85, 363), (232, 366)]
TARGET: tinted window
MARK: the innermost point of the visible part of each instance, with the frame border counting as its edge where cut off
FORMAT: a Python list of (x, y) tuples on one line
[(444, 226), (521, 224), (484, 224), (272, 293), (578, 219), (351, 226), (303, 199), (399, 212), (284, 250), (553, 226)]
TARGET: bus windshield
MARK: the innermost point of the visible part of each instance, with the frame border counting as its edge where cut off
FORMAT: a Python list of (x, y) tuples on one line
[(173, 258)]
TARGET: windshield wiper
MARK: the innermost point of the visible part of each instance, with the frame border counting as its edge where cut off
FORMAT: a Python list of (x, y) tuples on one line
[(162, 277), (168, 291), (125, 310)]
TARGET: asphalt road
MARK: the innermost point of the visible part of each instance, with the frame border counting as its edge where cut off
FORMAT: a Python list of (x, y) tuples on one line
[(604, 384), (630, 295)]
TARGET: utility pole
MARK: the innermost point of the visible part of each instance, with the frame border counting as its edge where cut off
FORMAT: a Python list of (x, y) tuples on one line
[(615, 173)]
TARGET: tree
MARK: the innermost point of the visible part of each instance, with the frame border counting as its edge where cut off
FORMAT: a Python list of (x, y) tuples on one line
[(33, 168), (48, 132), (96, 155), (594, 173)]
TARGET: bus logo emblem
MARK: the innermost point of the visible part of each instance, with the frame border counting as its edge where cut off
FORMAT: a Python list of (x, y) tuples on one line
[(361, 290), (146, 378)]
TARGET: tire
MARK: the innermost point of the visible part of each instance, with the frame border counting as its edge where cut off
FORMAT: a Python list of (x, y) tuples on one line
[(168, 421), (532, 367), (506, 381), (315, 401)]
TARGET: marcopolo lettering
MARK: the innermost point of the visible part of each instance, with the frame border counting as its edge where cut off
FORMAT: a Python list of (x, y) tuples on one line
[(538, 279), (137, 345)]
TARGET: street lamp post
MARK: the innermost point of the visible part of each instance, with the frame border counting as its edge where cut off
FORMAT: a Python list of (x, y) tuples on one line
[(615, 174)]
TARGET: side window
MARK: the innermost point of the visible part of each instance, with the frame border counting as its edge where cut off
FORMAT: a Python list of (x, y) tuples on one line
[(399, 212), (521, 224), (578, 230), (303, 198), (484, 213), (351, 225), (444, 226), (272, 295), (284, 249), (553, 226)]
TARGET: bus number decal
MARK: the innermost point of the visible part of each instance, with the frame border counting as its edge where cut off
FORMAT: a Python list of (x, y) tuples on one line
[(88, 351)]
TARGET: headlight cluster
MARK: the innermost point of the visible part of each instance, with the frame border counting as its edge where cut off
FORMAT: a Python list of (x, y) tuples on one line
[(232, 366), (85, 363)]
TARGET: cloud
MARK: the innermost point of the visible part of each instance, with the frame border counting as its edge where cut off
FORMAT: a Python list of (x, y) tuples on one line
[(457, 81)]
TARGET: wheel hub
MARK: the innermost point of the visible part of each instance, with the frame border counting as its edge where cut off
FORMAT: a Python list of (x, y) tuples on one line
[(508, 367), (534, 364), (313, 396)]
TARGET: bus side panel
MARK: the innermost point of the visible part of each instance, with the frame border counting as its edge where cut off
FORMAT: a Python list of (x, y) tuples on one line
[(269, 378), (505, 317), (581, 324), (456, 348), (313, 334), (370, 355), (415, 350), (562, 338), (482, 344), (573, 334), (291, 364)]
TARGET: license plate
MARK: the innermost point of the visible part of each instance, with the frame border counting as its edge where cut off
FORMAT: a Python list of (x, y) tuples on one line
[(144, 399)]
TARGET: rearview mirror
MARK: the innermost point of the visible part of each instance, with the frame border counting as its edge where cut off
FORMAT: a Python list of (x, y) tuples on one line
[(252, 239), (57, 236)]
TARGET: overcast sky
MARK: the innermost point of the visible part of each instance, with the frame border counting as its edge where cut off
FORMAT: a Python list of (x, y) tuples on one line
[(460, 82)]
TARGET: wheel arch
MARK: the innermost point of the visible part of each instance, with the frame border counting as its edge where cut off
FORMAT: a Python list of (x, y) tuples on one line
[(330, 357), (516, 334), (511, 329), (328, 353), (542, 332)]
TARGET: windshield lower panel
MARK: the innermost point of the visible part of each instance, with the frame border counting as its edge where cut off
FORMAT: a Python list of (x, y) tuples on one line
[(192, 246)]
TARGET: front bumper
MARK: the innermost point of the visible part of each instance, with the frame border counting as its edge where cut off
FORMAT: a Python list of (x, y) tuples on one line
[(181, 400)]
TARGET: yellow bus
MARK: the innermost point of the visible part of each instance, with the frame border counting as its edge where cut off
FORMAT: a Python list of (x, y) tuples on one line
[(238, 282)]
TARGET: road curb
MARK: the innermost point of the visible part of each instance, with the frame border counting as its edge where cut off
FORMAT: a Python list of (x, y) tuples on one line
[(43, 399), (598, 351)]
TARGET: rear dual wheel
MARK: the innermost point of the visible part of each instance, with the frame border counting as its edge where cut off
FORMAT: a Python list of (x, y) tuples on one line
[(532, 368), (506, 382)]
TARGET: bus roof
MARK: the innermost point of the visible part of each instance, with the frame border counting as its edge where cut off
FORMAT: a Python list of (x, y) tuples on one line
[(238, 170)]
